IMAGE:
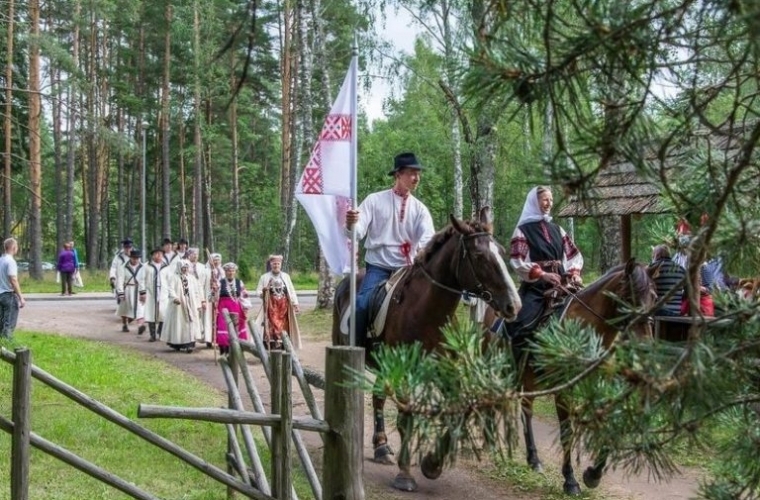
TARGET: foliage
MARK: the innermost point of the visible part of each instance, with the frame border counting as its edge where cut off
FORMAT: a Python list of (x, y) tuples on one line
[(637, 402)]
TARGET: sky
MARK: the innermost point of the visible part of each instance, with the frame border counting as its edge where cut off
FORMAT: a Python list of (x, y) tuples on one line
[(401, 31)]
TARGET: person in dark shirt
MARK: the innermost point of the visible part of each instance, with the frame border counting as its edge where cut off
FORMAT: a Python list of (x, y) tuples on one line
[(669, 280)]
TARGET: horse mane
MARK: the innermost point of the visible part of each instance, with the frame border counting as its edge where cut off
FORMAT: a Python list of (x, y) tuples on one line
[(639, 279), (441, 237)]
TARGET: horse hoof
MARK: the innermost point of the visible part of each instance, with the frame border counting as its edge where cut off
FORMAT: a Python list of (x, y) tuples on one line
[(590, 479), (383, 455), (572, 489), (404, 482), (537, 467), (431, 467)]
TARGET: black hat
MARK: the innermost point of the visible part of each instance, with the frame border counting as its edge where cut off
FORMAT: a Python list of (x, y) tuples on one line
[(167, 241), (135, 253), (126, 241), (183, 241), (157, 250), (405, 160)]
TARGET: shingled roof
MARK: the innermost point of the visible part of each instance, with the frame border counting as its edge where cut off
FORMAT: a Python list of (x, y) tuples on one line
[(618, 190), (621, 190)]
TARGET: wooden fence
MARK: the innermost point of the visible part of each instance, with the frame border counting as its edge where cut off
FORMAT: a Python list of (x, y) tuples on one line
[(341, 428)]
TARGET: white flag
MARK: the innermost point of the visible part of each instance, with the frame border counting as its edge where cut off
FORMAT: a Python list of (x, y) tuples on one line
[(324, 189)]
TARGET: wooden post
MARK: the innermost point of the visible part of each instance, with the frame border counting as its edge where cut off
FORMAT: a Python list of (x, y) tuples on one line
[(233, 364), (625, 235), (21, 414), (344, 412), (281, 403)]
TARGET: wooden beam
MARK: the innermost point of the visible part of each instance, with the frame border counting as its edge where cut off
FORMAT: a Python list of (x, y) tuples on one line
[(625, 234)]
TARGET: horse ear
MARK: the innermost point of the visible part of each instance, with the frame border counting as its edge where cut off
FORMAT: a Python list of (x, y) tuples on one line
[(457, 224), (630, 266), (486, 218)]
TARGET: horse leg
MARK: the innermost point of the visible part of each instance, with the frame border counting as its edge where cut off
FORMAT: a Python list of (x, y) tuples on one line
[(530, 440), (593, 474), (404, 480), (383, 451), (571, 486)]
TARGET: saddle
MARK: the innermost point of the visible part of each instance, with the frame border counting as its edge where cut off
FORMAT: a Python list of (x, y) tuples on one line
[(380, 299)]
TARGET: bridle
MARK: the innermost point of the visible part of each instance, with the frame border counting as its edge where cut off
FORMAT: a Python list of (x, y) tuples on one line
[(465, 255)]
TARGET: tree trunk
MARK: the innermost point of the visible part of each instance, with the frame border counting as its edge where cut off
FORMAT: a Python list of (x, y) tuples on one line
[(303, 100), (120, 176), (166, 221), (325, 287), (198, 235), (183, 202), (235, 219), (35, 159), (451, 77), (286, 67), (8, 126)]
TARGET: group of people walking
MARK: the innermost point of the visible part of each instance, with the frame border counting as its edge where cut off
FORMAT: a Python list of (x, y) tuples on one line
[(182, 301)]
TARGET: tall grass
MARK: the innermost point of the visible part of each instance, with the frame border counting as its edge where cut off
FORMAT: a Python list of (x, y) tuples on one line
[(121, 379)]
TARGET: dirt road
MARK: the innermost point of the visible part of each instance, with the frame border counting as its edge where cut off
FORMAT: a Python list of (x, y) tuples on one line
[(93, 318)]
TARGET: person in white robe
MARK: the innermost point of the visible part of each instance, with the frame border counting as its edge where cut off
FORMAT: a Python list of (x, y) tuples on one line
[(183, 307), (130, 292), (203, 275), (121, 258), (156, 275)]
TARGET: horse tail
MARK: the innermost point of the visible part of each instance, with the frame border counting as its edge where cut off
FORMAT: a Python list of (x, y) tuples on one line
[(340, 304)]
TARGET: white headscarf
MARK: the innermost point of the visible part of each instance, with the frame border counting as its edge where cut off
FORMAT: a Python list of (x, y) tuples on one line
[(531, 211)]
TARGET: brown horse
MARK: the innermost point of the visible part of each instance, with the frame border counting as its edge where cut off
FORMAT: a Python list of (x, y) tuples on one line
[(462, 258), (618, 301)]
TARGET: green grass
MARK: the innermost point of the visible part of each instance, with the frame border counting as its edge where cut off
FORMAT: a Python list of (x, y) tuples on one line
[(121, 379), (97, 281), (94, 281)]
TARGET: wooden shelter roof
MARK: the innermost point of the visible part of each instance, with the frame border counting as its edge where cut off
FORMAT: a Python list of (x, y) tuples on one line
[(619, 190)]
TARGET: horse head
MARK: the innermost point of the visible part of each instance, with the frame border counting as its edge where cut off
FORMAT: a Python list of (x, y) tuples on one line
[(480, 267), (621, 300)]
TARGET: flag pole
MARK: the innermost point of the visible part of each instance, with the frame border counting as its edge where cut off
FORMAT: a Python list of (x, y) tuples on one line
[(353, 162)]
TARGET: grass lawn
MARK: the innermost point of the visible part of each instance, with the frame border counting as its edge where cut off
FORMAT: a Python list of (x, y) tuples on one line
[(121, 379)]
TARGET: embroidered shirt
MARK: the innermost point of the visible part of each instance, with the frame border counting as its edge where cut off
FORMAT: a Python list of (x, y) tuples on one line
[(396, 228)]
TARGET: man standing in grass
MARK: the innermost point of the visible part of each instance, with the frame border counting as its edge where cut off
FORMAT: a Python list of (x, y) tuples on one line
[(11, 299)]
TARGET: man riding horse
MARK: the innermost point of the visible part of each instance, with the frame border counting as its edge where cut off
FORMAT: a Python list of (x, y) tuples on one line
[(396, 226)]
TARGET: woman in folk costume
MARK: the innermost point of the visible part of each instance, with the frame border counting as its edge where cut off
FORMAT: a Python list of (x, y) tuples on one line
[(156, 279), (130, 292), (231, 293), (182, 324), (215, 273), (279, 305), (544, 256)]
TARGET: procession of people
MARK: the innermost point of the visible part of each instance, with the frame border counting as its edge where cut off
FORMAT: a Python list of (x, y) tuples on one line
[(185, 303)]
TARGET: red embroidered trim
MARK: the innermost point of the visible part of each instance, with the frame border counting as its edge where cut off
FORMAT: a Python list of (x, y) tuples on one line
[(545, 231), (406, 251), (535, 272), (404, 198)]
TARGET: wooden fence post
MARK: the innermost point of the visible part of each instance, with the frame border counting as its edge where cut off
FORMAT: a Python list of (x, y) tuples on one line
[(21, 414), (343, 463), (281, 365), (233, 364)]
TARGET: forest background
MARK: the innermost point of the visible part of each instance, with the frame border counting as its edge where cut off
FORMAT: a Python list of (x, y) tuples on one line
[(221, 103)]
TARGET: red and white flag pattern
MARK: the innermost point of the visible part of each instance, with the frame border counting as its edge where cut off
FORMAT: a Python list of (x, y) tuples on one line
[(324, 189)]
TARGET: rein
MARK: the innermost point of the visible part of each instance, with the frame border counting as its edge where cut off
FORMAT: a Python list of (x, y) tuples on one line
[(480, 291), (588, 307)]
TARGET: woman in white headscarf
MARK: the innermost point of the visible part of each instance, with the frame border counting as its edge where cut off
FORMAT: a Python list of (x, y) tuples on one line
[(182, 324), (232, 298), (543, 255)]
